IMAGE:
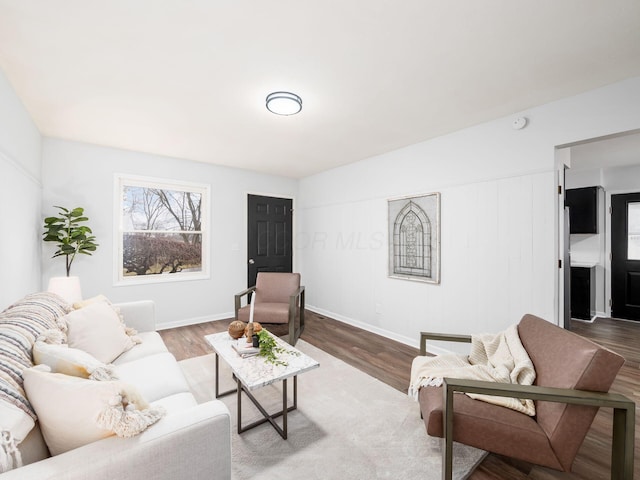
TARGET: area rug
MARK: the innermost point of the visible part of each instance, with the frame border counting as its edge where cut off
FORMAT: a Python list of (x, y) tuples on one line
[(348, 425)]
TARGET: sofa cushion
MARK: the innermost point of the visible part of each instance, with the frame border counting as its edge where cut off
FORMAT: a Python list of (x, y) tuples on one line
[(266, 313), (71, 361), (156, 376), (177, 402), (33, 448), (74, 411), (150, 344), (97, 330)]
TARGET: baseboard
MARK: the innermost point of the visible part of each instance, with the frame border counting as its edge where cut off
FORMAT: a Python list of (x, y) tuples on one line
[(584, 320), (592, 319), (335, 316), (365, 326), (341, 318), (193, 321)]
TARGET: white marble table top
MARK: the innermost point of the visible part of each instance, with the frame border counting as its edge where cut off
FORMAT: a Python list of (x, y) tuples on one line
[(255, 371)]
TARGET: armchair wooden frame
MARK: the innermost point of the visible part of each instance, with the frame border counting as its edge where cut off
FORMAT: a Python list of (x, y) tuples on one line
[(622, 448), (293, 303)]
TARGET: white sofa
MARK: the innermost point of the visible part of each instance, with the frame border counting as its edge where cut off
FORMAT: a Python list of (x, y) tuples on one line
[(190, 442)]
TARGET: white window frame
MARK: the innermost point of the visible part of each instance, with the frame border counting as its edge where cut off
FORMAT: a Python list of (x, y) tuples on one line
[(120, 182)]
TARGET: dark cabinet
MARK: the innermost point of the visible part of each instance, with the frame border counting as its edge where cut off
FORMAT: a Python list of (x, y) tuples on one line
[(583, 292), (583, 209)]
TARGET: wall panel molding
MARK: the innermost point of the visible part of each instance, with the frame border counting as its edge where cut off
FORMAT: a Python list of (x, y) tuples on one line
[(4, 157)]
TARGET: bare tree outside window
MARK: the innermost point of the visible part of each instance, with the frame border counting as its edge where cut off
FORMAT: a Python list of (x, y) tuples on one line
[(162, 234)]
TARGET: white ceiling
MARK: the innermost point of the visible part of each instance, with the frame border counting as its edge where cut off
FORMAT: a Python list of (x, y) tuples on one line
[(188, 78)]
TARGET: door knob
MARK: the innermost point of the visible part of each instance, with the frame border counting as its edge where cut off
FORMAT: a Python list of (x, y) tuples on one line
[(251, 261)]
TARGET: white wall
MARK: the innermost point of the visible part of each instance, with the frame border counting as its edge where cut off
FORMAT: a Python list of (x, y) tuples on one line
[(622, 179), (20, 195), (77, 174), (499, 233), (499, 221)]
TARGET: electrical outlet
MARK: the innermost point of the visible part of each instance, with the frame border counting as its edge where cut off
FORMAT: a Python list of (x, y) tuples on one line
[(378, 308)]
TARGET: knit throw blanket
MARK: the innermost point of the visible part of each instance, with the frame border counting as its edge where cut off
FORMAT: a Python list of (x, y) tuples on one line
[(494, 358)]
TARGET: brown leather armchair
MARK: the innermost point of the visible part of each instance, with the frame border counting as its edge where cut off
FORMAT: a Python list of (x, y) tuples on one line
[(279, 301), (573, 376)]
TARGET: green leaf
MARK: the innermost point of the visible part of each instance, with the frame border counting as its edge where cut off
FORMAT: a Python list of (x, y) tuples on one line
[(69, 233)]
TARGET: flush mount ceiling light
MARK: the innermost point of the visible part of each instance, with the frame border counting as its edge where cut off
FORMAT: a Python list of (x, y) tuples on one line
[(284, 103)]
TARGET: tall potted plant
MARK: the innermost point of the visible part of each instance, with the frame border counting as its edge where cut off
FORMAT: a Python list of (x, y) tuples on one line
[(72, 237)]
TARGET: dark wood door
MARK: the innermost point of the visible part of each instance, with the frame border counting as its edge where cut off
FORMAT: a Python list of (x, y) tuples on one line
[(625, 256), (269, 243)]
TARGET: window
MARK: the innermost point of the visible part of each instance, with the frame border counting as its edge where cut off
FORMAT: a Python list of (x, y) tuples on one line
[(633, 231), (163, 230)]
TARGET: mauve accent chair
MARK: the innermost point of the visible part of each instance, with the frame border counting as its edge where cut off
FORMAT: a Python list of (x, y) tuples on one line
[(279, 301), (573, 376)]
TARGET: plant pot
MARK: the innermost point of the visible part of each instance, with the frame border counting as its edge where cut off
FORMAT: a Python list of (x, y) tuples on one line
[(66, 287)]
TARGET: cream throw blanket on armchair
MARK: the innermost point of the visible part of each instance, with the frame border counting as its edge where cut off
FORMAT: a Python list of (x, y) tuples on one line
[(494, 358)]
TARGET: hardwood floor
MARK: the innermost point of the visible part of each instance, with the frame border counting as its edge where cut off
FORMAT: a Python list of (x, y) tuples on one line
[(390, 362)]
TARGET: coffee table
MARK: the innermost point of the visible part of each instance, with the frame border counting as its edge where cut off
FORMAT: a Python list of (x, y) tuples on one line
[(254, 372)]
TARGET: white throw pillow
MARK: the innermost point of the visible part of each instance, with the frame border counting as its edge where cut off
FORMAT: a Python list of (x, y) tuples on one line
[(102, 299), (14, 420), (72, 361), (74, 411), (97, 330), (88, 301)]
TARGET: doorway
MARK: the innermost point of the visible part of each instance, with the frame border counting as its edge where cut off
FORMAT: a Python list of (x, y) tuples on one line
[(269, 235), (625, 256), (612, 163)]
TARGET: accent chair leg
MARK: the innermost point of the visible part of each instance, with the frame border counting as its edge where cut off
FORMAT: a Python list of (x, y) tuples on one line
[(292, 320), (236, 306), (622, 448), (292, 331), (302, 312), (447, 427)]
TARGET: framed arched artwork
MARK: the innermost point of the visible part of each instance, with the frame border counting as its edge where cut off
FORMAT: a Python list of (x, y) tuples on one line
[(414, 237)]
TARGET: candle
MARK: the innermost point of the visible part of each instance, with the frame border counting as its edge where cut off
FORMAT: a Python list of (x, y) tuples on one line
[(253, 301)]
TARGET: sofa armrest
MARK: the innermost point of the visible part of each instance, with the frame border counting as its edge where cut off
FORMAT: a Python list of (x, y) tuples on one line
[(194, 444), (140, 315), (622, 449)]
